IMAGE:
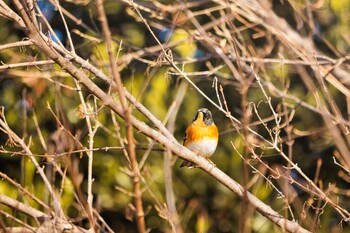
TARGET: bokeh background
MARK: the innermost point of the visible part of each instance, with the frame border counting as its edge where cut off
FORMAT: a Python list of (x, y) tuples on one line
[(43, 100)]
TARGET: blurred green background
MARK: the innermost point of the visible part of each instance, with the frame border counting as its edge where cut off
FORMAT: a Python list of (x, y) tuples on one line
[(203, 205)]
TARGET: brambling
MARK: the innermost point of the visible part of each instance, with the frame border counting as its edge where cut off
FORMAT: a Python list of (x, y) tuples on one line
[(201, 136)]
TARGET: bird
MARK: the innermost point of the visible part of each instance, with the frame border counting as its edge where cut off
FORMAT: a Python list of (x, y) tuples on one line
[(201, 136)]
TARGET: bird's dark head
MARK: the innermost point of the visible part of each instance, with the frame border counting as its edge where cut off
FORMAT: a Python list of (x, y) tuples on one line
[(204, 115)]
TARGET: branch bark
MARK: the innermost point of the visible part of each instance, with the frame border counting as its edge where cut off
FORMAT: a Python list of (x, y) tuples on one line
[(47, 223), (46, 46), (140, 219)]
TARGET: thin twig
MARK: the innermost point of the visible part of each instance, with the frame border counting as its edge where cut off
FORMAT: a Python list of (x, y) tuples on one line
[(140, 219), (40, 170)]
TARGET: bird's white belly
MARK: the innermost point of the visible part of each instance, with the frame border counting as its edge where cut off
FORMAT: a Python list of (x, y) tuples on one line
[(204, 148)]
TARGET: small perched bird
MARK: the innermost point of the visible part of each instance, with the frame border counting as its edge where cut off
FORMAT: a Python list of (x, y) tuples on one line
[(201, 136)]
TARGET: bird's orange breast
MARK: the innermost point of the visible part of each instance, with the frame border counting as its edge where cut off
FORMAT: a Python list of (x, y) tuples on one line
[(197, 132)]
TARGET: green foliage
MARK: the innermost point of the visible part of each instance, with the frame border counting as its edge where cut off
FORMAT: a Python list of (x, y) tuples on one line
[(202, 203), (186, 48)]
